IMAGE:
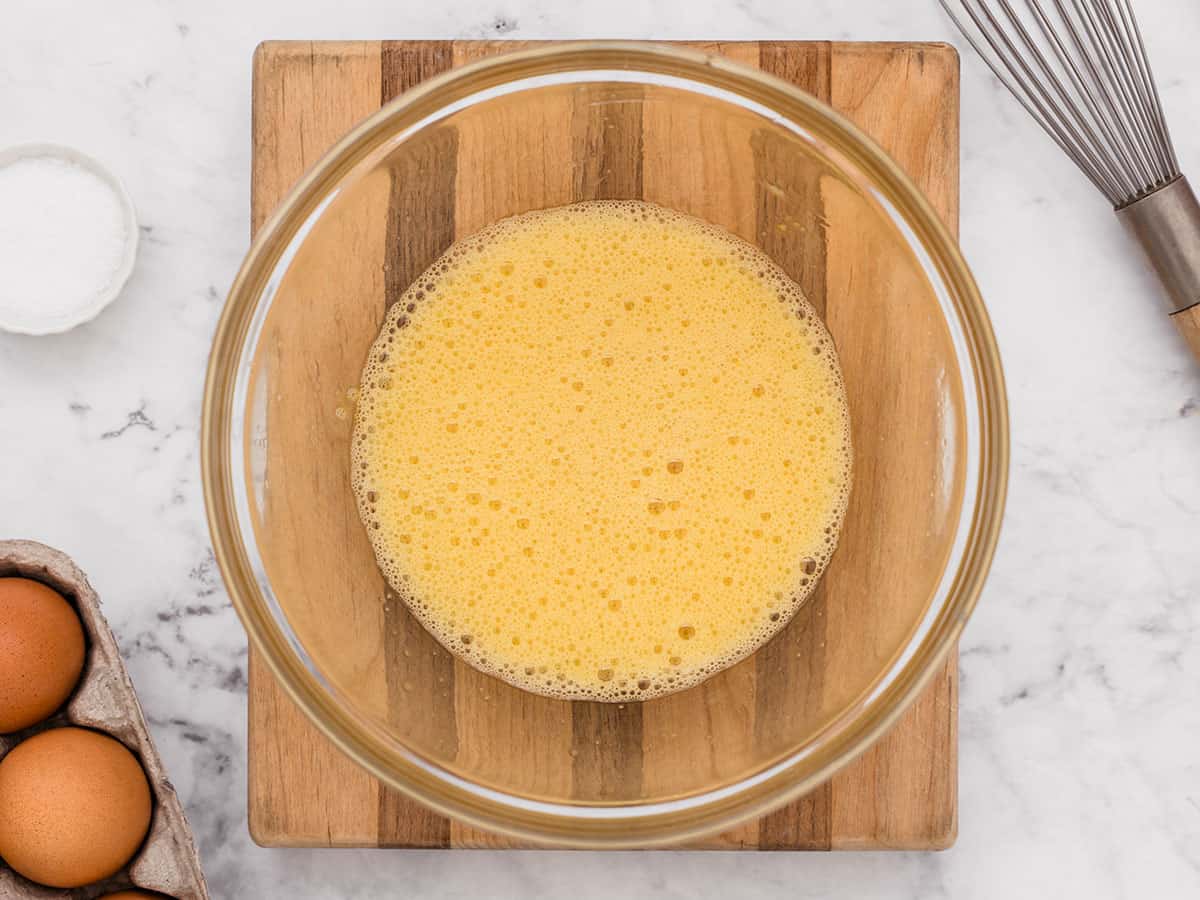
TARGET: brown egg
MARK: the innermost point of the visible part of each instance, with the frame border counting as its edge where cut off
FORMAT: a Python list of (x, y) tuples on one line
[(74, 807), (41, 652)]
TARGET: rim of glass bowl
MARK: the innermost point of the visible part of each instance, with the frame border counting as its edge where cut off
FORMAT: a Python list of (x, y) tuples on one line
[(673, 819)]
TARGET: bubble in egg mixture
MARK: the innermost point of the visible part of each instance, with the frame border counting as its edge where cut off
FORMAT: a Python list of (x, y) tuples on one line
[(602, 451)]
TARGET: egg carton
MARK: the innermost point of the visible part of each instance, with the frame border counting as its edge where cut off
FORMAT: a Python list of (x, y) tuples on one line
[(104, 700)]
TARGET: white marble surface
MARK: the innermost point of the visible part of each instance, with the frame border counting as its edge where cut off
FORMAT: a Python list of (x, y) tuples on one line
[(1080, 775)]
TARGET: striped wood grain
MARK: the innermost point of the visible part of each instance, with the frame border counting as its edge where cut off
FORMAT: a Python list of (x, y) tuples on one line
[(902, 793)]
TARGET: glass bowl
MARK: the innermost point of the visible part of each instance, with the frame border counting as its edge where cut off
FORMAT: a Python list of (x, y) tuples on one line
[(541, 128)]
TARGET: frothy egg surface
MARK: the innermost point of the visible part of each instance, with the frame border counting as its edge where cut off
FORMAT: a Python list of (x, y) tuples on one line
[(602, 451)]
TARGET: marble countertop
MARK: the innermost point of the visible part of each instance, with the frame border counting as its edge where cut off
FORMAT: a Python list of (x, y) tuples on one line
[(1079, 712)]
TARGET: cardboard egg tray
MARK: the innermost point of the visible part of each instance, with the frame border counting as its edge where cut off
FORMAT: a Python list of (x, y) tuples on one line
[(104, 700)]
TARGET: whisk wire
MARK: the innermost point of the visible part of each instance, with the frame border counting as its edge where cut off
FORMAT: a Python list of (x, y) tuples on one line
[(1012, 79), (1079, 67), (1150, 87), (1134, 57), (1113, 113), (1095, 144), (1099, 107), (1115, 61)]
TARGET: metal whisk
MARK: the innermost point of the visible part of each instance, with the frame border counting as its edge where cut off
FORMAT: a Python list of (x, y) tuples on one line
[(1079, 68)]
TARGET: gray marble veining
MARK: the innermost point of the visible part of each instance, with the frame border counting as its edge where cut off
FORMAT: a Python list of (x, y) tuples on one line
[(1079, 771)]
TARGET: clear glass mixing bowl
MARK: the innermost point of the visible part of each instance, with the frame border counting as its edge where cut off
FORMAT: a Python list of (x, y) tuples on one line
[(541, 128)]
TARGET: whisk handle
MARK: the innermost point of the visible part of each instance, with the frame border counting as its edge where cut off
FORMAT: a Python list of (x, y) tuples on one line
[(1167, 225), (1188, 323)]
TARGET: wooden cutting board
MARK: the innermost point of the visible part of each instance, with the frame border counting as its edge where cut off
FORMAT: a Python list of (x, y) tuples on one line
[(902, 794)]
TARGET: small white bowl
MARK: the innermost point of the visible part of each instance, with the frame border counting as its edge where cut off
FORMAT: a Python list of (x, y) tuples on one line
[(105, 294)]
